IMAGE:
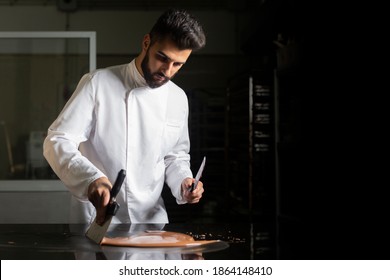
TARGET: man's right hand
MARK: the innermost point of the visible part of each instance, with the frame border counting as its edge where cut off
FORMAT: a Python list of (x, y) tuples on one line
[(99, 195)]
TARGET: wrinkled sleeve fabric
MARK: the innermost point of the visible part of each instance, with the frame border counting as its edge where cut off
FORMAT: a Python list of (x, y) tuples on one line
[(177, 163), (61, 147)]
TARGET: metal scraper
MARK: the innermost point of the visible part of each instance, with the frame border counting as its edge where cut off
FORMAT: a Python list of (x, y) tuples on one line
[(96, 232)]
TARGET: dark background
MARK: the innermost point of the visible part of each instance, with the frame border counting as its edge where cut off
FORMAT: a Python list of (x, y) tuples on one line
[(318, 182)]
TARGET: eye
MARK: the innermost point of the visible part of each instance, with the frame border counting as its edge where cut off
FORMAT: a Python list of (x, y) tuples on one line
[(161, 57)]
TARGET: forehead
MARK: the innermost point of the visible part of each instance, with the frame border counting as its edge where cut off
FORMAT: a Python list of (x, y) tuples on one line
[(169, 48)]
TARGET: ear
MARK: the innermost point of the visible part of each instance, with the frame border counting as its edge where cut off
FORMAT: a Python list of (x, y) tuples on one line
[(146, 42)]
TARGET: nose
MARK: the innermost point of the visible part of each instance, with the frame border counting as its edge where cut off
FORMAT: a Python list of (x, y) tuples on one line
[(167, 69)]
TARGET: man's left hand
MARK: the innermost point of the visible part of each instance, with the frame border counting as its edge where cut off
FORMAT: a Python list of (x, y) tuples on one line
[(195, 195)]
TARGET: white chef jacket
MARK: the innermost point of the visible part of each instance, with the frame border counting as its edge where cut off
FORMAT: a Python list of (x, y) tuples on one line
[(115, 121)]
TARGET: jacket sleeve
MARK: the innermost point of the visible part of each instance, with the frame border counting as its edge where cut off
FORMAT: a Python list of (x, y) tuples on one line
[(61, 146), (177, 164)]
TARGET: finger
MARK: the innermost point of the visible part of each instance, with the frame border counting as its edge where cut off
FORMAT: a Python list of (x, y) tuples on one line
[(101, 208), (199, 189), (195, 197), (195, 200), (100, 215)]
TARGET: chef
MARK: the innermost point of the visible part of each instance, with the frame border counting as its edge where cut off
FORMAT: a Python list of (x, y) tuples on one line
[(130, 117)]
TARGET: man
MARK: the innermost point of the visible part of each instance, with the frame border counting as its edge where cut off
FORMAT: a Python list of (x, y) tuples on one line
[(130, 117)]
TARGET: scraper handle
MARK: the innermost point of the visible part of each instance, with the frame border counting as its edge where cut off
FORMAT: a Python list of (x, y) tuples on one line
[(118, 184), (113, 207)]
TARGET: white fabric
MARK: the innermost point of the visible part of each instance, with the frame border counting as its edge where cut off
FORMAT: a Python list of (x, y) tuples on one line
[(114, 121)]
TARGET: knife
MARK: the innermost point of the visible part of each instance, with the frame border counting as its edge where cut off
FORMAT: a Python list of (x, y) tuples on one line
[(96, 232), (198, 175)]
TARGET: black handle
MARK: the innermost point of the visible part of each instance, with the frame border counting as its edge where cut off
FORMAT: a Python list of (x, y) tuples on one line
[(192, 188), (113, 207), (118, 183)]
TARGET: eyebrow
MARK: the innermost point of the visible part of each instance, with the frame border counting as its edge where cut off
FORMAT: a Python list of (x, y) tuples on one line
[(168, 58)]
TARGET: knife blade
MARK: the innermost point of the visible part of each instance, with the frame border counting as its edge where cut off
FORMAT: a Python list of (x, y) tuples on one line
[(96, 232), (198, 175)]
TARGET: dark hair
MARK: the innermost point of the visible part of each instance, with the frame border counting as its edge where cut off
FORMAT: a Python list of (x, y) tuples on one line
[(181, 27)]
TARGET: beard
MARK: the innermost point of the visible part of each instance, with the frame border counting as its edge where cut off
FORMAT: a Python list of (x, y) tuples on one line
[(155, 79)]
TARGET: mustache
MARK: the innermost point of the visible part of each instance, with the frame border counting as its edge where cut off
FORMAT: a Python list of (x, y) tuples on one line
[(161, 75)]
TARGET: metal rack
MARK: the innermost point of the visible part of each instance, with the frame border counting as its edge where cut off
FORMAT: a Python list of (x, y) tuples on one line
[(250, 145)]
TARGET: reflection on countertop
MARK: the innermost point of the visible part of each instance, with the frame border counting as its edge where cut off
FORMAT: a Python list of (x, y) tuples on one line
[(63, 241)]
